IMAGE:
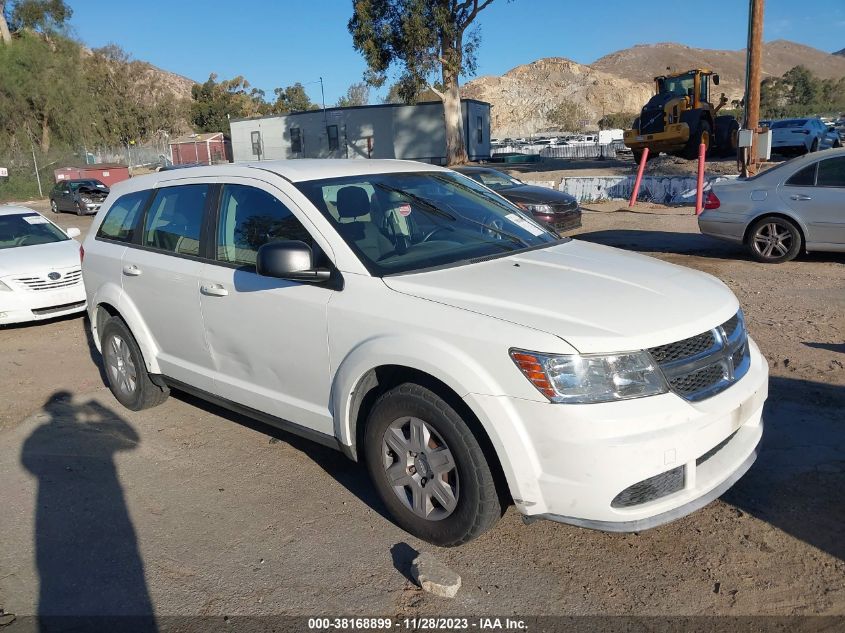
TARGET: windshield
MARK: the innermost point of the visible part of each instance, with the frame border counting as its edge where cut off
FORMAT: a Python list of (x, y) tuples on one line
[(405, 222), (28, 229), (92, 184), (494, 179), (789, 123), (679, 86)]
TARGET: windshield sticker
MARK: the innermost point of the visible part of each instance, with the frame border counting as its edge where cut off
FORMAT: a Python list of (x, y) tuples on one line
[(525, 224), (35, 219), (100, 186), (404, 210)]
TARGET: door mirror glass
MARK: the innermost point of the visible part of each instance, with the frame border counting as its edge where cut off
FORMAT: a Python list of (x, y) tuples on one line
[(289, 259), (715, 80)]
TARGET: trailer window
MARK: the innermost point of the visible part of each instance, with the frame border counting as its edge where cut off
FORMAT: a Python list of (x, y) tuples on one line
[(331, 130), (479, 130), (295, 140)]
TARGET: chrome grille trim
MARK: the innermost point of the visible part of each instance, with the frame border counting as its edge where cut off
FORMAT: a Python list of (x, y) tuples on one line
[(35, 282), (703, 365)]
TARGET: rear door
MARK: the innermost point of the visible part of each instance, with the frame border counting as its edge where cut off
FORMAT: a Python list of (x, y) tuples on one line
[(817, 196), (161, 274)]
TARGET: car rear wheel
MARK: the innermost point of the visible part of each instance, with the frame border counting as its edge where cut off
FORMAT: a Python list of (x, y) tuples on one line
[(127, 375), (815, 146), (429, 468), (53, 206), (774, 240)]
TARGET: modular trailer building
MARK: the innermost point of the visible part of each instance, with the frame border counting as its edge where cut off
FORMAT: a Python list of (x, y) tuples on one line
[(411, 132)]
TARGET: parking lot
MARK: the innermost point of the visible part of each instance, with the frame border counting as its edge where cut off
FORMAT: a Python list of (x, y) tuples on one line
[(192, 510)]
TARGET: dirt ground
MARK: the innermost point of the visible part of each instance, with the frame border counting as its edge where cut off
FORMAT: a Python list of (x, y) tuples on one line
[(187, 509)]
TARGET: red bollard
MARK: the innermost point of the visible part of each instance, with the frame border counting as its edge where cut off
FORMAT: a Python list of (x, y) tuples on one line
[(636, 190), (699, 191)]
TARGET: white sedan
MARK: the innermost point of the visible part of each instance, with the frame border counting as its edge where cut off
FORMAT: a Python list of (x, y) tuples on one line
[(40, 268), (802, 136)]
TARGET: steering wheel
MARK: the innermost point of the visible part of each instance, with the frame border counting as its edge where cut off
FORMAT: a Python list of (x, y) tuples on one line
[(494, 222), (435, 231)]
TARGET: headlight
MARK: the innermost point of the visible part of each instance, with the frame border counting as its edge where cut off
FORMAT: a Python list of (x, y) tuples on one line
[(85, 199), (587, 379), (4, 287), (534, 208)]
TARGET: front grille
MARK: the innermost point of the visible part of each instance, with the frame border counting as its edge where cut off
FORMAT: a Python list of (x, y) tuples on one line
[(651, 121), (45, 283), (652, 488), (708, 363)]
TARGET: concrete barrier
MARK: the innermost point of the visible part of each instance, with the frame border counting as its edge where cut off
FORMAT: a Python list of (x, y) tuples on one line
[(659, 189)]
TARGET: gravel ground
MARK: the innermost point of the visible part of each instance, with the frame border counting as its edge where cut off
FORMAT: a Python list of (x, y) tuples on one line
[(187, 509)]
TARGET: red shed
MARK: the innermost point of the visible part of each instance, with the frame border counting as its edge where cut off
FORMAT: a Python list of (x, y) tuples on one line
[(205, 149), (107, 173)]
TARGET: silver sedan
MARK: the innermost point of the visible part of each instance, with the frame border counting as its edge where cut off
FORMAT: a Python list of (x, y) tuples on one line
[(797, 206)]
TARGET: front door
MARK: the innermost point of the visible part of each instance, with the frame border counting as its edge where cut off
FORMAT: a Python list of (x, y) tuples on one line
[(267, 337), (161, 277)]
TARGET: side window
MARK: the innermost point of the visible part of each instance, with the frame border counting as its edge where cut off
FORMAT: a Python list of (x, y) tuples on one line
[(804, 177), (831, 173), (333, 137), (119, 223), (174, 219), (249, 218), (295, 140), (479, 130)]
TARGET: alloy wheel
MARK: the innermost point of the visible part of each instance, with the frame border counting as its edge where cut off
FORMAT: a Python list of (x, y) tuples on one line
[(120, 366), (420, 468), (772, 240)]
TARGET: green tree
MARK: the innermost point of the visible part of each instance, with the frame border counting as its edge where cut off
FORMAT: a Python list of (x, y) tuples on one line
[(357, 95), (292, 99), (568, 116), (616, 120), (423, 38), (804, 86), (39, 15), (213, 103)]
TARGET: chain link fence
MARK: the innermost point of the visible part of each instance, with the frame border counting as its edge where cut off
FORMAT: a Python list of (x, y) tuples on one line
[(571, 150)]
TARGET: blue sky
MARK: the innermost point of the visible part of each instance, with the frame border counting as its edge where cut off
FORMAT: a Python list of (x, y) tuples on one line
[(276, 43)]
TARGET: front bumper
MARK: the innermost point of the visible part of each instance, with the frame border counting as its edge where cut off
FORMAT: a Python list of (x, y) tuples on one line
[(21, 306), (674, 136), (580, 458)]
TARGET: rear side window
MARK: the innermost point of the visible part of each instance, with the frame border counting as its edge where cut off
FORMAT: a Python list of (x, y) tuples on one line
[(831, 173), (174, 219), (803, 177), (122, 217), (249, 218)]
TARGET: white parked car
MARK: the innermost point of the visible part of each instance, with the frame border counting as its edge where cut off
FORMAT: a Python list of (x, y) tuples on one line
[(40, 273), (802, 136), (415, 320)]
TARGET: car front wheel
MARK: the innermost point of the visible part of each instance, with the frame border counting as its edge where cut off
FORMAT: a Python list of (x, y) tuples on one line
[(53, 206), (774, 240), (428, 467), (127, 375)]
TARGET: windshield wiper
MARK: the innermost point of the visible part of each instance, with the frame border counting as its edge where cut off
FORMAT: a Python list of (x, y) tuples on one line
[(430, 207)]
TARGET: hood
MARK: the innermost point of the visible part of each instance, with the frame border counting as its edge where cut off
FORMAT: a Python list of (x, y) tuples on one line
[(535, 194), (95, 192), (39, 258), (596, 298)]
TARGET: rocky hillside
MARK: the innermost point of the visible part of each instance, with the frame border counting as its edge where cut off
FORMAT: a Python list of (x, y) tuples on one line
[(643, 62), (523, 96)]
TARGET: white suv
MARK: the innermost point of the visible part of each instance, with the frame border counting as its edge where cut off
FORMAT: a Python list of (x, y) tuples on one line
[(412, 318)]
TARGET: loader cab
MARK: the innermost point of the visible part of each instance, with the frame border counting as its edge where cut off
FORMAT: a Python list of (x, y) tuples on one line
[(694, 84)]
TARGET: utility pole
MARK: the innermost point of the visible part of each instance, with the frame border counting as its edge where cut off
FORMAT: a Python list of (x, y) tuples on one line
[(323, 96), (753, 58)]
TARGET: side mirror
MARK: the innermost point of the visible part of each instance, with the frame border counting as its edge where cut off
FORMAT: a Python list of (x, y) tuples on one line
[(715, 80), (73, 232), (289, 260)]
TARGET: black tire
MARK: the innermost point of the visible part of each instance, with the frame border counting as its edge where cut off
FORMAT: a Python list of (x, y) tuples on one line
[(133, 389), (727, 129), (477, 507), (701, 133), (79, 209), (54, 207), (762, 233), (815, 146), (638, 154)]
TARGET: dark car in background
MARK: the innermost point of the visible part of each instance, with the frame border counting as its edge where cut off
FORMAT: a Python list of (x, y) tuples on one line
[(554, 208), (82, 196)]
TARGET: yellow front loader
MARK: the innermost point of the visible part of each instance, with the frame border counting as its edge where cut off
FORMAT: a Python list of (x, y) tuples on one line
[(679, 117)]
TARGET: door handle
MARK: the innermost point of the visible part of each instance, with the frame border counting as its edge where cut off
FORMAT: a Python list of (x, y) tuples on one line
[(131, 270), (800, 197), (214, 290)]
